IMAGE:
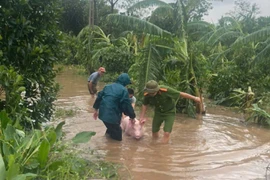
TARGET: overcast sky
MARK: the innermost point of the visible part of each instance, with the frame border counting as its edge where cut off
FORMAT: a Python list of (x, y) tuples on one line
[(221, 8)]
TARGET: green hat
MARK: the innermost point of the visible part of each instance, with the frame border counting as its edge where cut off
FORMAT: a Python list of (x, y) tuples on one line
[(151, 87)]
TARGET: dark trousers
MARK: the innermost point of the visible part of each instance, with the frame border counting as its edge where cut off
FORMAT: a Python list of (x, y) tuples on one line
[(114, 130)]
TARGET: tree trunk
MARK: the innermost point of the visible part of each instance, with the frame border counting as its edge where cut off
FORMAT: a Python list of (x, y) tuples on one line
[(91, 13)]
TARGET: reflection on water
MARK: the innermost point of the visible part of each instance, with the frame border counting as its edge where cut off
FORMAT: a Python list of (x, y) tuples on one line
[(212, 147)]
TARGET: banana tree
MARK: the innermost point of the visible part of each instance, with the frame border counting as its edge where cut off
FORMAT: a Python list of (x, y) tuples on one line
[(261, 36), (248, 56), (183, 11), (98, 49), (86, 45), (228, 42), (220, 39), (150, 60)]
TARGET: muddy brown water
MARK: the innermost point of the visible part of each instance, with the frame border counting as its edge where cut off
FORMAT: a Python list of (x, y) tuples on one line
[(213, 147)]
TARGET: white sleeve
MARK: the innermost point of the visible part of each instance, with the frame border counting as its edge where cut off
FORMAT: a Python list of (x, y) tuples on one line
[(133, 99)]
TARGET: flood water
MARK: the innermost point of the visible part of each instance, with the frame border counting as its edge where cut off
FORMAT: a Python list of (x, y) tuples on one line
[(213, 147)]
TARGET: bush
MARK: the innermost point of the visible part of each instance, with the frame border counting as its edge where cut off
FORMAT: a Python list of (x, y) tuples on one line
[(29, 42)]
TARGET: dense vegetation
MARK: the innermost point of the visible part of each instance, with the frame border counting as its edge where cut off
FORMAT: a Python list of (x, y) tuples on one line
[(173, 45)]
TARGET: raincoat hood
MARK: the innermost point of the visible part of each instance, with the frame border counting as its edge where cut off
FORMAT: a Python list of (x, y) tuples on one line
[(123, 79), (113, 100)]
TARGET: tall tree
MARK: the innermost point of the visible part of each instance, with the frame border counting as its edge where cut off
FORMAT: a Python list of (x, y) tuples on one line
[(92, 7), (74, 16), (112, 4), (245, 13)]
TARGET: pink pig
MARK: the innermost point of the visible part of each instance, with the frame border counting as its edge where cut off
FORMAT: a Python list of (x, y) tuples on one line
[(135, 129)]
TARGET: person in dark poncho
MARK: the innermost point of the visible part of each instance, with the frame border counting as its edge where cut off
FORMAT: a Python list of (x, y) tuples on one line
[(111, 102)]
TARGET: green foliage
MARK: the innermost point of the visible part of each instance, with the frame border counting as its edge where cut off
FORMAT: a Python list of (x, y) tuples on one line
[(117, 60), (260, 110), (23, 152), (77, 167), (227, 86), (70, 47), (74, 16), (262, 22), (227, 58), (67, 166), (148, 64), (64, 113), (245, 13), (98, 49), (163, 18), (86, 48), (256, 36), (109, 77), (239, 58), (40, 154), (2, 168), (107, 170), (29, 44), (58, 130), (224, 82), (147, 68), (83, 137), (259, 115), (102, 11), (137, 25), (14, 100)]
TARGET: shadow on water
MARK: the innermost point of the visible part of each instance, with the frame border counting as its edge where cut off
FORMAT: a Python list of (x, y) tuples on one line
[(215, 146)]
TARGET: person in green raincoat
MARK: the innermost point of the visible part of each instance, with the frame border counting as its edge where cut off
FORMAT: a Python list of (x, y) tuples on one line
[(164, 99), (111, 102)]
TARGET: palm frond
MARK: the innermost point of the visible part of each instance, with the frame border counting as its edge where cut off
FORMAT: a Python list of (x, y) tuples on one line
[(256, 36), (173, 60), (258, 113), (137, 24), (220, 55), (181, 49), (217, 34), (200, 25), (162, 11), (266, 42), (264, 52), (101, 43), (102, 35), (148, 65), (206, 37), (125, 33), (100, 52), (147, 3), (87, 31), (164, 46), (152, 71), (227, 36)]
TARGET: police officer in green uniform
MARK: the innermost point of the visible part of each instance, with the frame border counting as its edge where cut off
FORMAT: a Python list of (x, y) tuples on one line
[(164, 99)]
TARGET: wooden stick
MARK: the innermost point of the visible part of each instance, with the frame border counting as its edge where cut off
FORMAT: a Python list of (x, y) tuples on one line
[(202, 110)]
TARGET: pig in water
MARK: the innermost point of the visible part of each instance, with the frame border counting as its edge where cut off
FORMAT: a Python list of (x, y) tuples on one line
[(135, 129)]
